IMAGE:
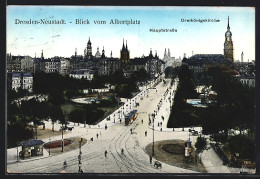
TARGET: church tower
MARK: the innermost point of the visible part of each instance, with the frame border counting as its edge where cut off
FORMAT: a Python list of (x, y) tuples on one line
[(124, 53), (88, 50), (228, 45), (42, 57)]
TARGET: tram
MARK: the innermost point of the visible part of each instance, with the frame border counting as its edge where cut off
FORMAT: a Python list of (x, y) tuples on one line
[(129, 118)]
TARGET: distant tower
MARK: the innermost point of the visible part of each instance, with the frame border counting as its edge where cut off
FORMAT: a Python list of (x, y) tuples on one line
[(242, 57), (169, 54), (124, 53), (75, 52), (97, 55), (103, 53), (184, 56), (88, 50), (165, 54), (151, 53), (111, 54), (42, 57), (228, 45), (156, 54)]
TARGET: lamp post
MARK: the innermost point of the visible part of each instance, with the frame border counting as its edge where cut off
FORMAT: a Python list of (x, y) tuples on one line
[(79, 157), (153, 139), (49, 146), (114, 118), (17, 152), (62, 142)]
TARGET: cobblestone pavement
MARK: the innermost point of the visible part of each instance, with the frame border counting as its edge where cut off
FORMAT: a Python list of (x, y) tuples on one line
[(116, 137)]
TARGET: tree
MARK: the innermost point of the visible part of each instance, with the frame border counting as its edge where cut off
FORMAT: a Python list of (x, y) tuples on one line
[(200, 144), (32, 110)]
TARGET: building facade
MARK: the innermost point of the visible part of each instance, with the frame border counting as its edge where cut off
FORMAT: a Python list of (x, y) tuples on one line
[(79, 74), (16, 80)]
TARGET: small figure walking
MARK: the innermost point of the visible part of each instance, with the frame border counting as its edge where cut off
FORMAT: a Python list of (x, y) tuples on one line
[(65, 164), (145, 133), (131, 131), (122, 151), (151, 159), (97, 135), (105, 127), (105, 153), (142, 121)]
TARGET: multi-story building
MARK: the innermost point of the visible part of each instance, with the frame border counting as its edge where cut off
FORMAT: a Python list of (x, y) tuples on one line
[(79, 74), (27, 64), (64, 66), (152, 64), (16, 80), (51, 65), (248, 80)]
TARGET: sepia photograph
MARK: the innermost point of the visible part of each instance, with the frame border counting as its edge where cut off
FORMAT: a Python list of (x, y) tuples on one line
[(130, 90)]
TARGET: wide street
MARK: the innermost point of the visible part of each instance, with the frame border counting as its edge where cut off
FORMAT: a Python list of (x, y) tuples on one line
[(116, 137)]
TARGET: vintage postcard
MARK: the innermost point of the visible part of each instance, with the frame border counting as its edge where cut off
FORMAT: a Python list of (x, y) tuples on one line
[(130, 89)]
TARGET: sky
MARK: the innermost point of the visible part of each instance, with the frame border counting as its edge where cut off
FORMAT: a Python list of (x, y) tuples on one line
[(196, 37)]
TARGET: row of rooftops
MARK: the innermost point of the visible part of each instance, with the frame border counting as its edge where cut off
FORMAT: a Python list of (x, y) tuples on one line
[(81, 72), (200, 59), (19, 74), (81, 58)]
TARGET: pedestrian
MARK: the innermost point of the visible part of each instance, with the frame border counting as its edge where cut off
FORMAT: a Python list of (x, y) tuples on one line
[(142, 121), (122, 151), (131, 131), (158, 124), (120, 120), (145, 133), (97, 135), (105, 153), (151, 159), (161, 129), (105, 127), (64, 164)]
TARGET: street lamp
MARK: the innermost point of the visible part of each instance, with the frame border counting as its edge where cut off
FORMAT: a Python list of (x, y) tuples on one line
[(17, 152), (79, 157), (153, 139), (49, 146), (62, 142)]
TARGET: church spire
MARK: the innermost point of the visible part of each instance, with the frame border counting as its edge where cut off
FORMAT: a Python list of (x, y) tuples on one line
[(126, 45), (42, 55), (123, 48), (228, 24)]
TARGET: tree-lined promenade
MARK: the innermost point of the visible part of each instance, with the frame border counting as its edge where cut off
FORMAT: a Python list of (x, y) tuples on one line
[(232, 108)]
